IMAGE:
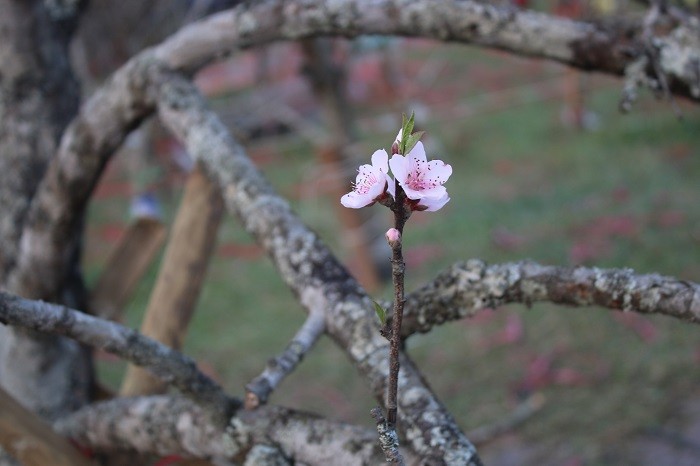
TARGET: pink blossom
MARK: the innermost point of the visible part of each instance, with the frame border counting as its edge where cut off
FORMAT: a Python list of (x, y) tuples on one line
[(422, 180), (371, 183)]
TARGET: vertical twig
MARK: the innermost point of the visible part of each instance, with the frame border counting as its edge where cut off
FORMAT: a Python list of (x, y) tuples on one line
[(398, 267)]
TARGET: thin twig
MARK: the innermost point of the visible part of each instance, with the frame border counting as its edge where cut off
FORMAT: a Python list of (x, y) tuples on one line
[(398, 268), (170, 365), (259, 389)]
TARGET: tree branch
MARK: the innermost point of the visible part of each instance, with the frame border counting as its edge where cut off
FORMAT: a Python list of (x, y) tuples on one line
[(173, 425), (467, 287), (312, 272), (170, 365), (259, 389), (118, 107)]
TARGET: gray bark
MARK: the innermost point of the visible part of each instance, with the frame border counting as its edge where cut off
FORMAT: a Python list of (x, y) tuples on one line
[(43, 264), (170, 425), (466, 287), (312, 272), (166, 363), (38, 97)]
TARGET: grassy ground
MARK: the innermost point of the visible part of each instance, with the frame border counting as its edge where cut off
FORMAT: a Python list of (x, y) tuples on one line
[(524, 186)]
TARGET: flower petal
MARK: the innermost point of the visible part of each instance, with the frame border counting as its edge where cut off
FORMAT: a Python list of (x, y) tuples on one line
[(431, 205), (391, 186), (399, 167), (439, 171), (433, 193), (353, 200), (418, 153), (380, 160), (399, 136)]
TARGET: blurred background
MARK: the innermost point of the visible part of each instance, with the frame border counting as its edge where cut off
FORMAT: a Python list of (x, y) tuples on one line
[(545, 168)]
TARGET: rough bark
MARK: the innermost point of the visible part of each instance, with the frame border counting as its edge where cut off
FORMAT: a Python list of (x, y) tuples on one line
[(168, 425), (124, 101), (304, 263), (38, 97), (312, 272), (166, 363), (30, 440), (466, 287), (181, 276)]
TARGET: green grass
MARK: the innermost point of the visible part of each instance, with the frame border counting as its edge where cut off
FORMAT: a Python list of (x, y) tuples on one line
[(516, 170)]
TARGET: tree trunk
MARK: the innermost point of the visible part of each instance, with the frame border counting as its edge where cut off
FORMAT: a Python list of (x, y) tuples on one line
[(38, 97)]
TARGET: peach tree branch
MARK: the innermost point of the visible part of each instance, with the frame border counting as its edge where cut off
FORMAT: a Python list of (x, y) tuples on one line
[(167, 425), (466, 287), (171, 366), (259, 389), (119, 106), (312, 272)]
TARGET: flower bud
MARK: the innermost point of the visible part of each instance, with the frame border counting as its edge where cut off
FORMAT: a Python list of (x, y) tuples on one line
[(393, 237), (395, 148)]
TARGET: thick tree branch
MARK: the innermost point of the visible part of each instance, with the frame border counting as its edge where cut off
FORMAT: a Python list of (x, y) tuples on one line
[(170, 365), (169, 425), (312, 272), (117, 108), (467, 287)]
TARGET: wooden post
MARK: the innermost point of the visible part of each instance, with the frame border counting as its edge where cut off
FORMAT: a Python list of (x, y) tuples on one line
[(181, 275), (126, 266), (31, 441)]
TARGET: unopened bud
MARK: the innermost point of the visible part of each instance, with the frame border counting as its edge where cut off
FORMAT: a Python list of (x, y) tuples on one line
[(395, 148), (393, 237)]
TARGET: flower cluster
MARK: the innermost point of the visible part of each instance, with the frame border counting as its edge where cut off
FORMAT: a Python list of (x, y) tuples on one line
[(420, 179)]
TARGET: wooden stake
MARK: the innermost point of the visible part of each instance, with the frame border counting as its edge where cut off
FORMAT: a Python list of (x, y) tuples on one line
[(126, 266), (30, 440), (181, 275)]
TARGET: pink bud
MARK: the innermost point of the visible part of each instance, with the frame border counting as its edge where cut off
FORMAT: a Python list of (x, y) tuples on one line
[(395, 148), (393, 237)]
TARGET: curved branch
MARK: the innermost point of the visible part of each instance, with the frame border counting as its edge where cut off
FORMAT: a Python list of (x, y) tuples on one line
[(172, 425), (312, 272), (124, 101), (168, 364), (467, 287)]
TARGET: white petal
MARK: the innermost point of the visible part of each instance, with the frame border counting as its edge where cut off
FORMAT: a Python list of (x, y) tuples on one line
[(391, 186), (380, 160), (399, 135), (434, 204), (418, 152), (439, 171), (399, 167), (353, 200)]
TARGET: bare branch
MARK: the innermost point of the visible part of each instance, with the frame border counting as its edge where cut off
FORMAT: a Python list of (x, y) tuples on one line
[(465, 288), (172, 425), (312, 272), (113, 111), (259, 389), (168, 364)]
